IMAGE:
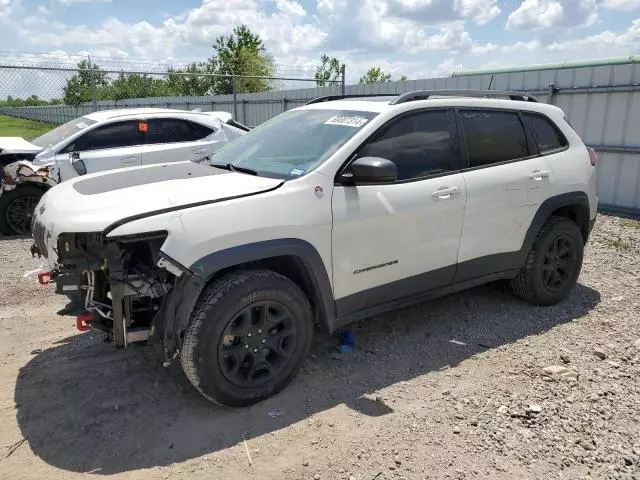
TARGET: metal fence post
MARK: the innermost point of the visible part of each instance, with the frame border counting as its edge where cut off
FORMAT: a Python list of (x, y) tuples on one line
[(551, 90), (92, 80), (344, 76), (235, 96), (284, 104)]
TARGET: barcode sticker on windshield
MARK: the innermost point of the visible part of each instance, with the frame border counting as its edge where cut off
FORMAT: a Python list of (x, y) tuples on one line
[(81, 125), (355, 122)]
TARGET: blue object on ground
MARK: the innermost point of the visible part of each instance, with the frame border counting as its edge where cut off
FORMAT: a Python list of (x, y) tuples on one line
[(345, 349), (347, 338)]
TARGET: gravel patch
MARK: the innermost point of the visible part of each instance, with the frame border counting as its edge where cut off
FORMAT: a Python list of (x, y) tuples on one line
[(474, 385)]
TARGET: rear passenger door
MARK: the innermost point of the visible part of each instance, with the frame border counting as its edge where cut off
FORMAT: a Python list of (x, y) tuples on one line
[(395, 240), (506, 181), (175, 140)]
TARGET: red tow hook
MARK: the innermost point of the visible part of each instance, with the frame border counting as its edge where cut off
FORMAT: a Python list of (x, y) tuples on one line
[(83, 321), (44, 278)]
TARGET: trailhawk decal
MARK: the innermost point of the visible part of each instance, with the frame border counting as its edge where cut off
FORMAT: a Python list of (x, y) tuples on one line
[(355, 122), (375, 267)]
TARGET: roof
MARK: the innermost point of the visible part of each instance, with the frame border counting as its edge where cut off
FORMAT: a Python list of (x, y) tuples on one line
[(121, 112), (448, 98)]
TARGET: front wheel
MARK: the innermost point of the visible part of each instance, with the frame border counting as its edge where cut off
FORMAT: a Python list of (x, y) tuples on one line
[(248, 335), (553, 265), (16, 209)]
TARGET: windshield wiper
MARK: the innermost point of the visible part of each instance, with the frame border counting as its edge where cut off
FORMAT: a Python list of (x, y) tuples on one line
[(233, 168)]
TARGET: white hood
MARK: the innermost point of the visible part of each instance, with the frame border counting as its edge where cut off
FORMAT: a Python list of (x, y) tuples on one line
[(94, 202), (17, 145)]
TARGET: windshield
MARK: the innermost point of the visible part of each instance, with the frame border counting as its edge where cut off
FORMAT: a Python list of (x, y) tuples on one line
[(58, 134), (293, 143)]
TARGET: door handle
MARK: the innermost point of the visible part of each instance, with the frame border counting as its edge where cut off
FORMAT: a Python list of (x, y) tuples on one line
[(539, 175), (445, 192)]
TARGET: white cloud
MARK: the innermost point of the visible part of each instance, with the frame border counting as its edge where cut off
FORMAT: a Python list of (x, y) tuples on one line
[(67, 3), (603, 41), (291, 7), (43, 10), (626, 5), (450, 37), (540, 14), (435, 11), (7, 8)]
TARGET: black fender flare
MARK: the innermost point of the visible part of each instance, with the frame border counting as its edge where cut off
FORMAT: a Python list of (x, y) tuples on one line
[(208, 266), (175, 312)]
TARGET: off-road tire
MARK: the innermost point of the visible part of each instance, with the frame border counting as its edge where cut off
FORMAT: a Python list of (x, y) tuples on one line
[(7, 198), (217, 306), (529, 284)]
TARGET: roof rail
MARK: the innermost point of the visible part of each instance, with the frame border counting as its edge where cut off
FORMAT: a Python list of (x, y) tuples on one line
[(329, 98), (425, 94)]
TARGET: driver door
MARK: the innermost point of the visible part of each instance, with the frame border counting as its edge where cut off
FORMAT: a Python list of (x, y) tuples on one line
[(394, 240), (110, 146)]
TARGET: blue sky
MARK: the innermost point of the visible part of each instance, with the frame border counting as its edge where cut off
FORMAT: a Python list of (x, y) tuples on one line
[(417, 38)]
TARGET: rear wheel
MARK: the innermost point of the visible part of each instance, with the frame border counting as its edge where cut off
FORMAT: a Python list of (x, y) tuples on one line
[(553, 265), (16, 209), (248, 335)]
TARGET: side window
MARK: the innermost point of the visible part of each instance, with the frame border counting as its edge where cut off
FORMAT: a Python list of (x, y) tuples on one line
[(419, 144), (545, 133), (112, 135), (173, 130), (493, 137)]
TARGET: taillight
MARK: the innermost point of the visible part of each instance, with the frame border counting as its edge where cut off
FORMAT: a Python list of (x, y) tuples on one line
[(593, 156)]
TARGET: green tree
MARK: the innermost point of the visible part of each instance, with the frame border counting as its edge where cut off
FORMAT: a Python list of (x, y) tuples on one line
[(78, 89), (329, 71), (192, 80), (403, 78), (241, 53), (135, 85), (375, 75), (32, 101)]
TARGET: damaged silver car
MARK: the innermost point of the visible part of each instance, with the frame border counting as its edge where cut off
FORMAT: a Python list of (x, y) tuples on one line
[(104, 140)]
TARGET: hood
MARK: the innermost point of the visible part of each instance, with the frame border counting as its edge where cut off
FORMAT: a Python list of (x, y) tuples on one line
[(94, 202), (13, 145)]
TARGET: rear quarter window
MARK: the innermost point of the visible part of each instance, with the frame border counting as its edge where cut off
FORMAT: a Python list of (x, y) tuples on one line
[(546, 134)]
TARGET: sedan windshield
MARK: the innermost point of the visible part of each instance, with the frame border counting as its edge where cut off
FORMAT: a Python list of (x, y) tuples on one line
[(62, 132), (293, 143)]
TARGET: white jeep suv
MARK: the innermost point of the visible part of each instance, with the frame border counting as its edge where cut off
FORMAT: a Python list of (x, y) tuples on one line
[(328, 213)]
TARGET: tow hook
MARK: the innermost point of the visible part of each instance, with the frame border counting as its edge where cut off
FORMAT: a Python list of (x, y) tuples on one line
[(84, 320), (44, 278)]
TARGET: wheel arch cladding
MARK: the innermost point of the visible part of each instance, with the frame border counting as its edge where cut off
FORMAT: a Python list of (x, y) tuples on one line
[(293, 258), (572, 205)]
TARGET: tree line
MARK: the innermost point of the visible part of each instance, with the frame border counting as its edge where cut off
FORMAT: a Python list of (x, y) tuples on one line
[(240, 63)]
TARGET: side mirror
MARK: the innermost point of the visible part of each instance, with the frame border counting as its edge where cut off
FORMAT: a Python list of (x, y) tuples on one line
[(78, 165), (371, 170)]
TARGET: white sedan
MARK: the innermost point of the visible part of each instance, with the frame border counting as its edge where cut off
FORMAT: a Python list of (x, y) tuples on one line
[(101, 141)]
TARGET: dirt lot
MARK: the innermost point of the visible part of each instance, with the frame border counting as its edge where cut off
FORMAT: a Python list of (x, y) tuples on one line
[(449, 389)]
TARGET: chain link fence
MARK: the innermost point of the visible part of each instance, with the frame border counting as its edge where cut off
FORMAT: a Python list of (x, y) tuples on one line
[(55, 91)]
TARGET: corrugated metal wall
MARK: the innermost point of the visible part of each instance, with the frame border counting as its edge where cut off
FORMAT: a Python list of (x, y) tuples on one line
[(601, 102)]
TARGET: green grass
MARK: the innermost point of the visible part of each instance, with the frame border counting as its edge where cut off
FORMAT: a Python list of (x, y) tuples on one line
[(17, 127), (619, 244)]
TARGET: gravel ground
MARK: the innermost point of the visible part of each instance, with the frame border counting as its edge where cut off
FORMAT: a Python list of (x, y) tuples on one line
[(456, 388)]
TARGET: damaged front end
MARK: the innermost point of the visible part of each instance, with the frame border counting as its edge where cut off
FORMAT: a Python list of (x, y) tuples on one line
[(131, 291), (26, 172)]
